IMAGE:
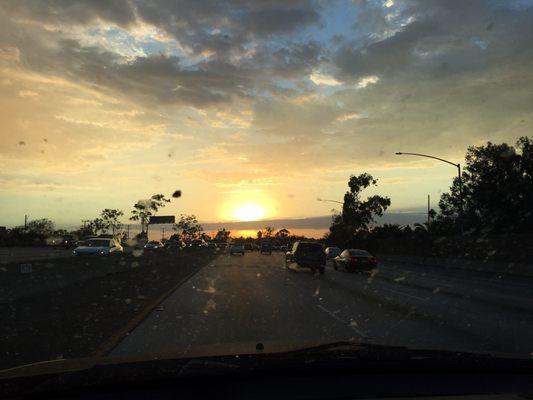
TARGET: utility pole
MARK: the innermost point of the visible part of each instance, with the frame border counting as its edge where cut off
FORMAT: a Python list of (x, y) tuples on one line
[(163, 234), (128, 230), (429, 215), (25, 222)]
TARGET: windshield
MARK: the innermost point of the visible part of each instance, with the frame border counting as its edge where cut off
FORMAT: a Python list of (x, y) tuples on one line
[(217, 149)]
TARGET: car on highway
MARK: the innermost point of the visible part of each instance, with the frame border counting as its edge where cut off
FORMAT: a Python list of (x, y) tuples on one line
[(99, 246), (332, 252), (355, 260), (236, 248), (266, 248), (308, 255), (153, 245), (172, 244)]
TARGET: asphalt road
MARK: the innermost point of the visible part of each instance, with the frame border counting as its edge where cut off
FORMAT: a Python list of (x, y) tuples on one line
[(253, 298)]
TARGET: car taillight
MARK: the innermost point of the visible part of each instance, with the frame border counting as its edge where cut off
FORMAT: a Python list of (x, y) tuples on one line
[(373, 260)]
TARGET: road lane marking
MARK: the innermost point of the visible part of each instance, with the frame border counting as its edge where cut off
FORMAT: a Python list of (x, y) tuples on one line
[(348, 324), (405, 294)]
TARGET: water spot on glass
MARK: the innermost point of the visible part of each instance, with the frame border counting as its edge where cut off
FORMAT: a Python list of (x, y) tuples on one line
[(127, 301), (134, 264), (436, 290), (22, 143)]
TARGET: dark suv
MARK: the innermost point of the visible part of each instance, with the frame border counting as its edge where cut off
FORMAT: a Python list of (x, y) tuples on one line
[(307, 254)]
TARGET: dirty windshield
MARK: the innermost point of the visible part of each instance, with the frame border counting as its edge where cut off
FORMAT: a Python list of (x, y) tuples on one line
[(172, 173)]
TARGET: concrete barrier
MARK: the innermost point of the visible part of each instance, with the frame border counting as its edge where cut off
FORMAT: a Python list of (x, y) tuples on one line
[(510, 268)]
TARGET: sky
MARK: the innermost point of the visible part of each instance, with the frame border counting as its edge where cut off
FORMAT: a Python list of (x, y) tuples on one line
[(253, 109)]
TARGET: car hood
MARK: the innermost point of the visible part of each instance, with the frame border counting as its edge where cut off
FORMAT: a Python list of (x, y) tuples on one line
[(90, 250), (236, 350), (241, 358)]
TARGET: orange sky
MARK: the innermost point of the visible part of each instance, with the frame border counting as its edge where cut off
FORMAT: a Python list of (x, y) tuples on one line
[(253, 115)]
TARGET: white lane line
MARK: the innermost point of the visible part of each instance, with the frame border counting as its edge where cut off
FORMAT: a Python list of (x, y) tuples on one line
[(404, 294), (349, 325)]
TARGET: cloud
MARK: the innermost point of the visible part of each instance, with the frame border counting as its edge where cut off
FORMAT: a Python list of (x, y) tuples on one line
[(367, 80), (323, 79)]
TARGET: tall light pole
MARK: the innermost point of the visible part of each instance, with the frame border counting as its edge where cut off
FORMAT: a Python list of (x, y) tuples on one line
[(331, 201), (456, 165)]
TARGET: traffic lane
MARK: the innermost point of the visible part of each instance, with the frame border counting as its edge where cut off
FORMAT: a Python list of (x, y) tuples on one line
[(255, 299), (515, 289), (494, 328), (234, 299), (510, 294)]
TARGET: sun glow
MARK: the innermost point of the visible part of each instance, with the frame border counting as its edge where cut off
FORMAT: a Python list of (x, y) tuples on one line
[(248, 207), (248, 212)]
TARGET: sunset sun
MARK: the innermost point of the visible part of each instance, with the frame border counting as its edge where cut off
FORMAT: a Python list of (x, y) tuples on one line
[(248, 212)]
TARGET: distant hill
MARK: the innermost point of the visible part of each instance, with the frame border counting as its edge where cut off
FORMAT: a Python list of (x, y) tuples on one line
[(408, 217)]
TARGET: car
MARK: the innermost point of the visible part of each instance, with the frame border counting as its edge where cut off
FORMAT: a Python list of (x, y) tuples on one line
[(248, 247), (172, 244), (236, 248), (355, 260), (307, 255), (99, 246), (153, 245), (332, 252), (266, 248)]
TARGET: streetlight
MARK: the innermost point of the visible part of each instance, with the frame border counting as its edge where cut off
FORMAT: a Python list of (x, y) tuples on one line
[(331, 201), (458, 166)]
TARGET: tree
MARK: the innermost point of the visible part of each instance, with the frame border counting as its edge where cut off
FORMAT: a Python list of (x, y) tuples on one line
[(222, 235), (282, 234), (143, 209), (357, 214), (189, 227), (110, 217), (259, 235), (97, 226), (497, 189), (42, 227), (269, 231)]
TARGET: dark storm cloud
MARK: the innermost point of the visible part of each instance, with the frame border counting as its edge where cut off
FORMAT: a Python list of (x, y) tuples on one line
[(225, 25), (226, 29), (440, 38), (70, 12)]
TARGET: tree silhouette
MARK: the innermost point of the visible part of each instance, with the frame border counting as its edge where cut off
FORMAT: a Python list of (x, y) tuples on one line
[(269, 230), (222, 235), (497, 189), (282, 233), (143, 209), (110, 217), (189, 227), (357, 214)]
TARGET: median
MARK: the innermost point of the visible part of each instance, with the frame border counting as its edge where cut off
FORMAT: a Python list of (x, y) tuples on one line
[(73, 307)]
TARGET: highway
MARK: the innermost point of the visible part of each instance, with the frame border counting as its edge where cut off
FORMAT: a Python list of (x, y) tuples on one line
[(244, 300)]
